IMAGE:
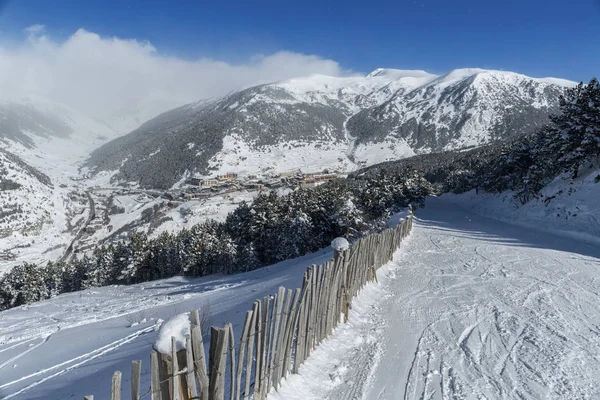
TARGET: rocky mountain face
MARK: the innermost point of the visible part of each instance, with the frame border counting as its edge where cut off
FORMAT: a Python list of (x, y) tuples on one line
[(462, 108), (328, 122)]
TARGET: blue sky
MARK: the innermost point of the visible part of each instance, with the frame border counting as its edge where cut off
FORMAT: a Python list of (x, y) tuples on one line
[(538, 38)]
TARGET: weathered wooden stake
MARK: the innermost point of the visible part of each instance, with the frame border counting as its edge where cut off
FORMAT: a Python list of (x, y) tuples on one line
[(136, 370), (174, 370), (250, 355), (115, 390), (259, 385), (155, 392), (231, 362), (189, 359), (217, 362), (199, 359), (243, 344)]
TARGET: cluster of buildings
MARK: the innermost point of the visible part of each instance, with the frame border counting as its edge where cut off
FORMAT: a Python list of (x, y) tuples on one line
[(292, 178), (218, 180)]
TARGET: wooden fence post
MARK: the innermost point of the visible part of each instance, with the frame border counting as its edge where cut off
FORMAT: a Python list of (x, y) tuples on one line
[(281, 341), (275, 338), (189, 358), (115, 390), (261, 354), (299, 349), (231, 362), (178, 386), (250, 355), (199, 355), (293, 318), (217, 361), (243, 344), (155, 391), (136, 370)]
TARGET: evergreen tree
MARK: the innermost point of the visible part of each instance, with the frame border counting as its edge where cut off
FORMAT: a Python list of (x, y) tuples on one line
[(577, 127)]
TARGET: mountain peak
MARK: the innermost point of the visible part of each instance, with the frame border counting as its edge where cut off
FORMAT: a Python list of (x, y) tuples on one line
[(400, 73)]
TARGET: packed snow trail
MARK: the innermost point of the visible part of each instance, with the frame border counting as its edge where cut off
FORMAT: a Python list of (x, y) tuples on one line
[(470, 308)]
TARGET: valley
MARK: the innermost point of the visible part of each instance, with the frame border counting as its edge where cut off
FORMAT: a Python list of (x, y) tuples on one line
[(98, 184)]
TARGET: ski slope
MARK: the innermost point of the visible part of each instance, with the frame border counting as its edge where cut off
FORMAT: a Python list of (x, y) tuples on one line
[(70, 346), (471, 308)]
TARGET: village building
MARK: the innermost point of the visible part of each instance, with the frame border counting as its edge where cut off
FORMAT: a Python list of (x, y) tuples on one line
[(231, 176), (291, 173), (196, 181), (209, 182)]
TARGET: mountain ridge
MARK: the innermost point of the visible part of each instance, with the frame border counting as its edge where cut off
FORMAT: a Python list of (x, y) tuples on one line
[(320, 122)]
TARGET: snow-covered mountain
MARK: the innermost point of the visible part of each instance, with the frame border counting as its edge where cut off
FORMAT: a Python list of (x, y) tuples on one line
[(322, 122), (42, 146), (463, 108), (26, 206), (35, 123)]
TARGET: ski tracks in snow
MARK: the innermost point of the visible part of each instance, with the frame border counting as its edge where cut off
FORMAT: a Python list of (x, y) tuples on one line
[(501, 316), (29, 350), (68, 365), (475, 309)]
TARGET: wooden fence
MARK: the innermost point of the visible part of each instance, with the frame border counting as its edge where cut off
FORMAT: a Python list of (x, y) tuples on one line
[(278, 334)]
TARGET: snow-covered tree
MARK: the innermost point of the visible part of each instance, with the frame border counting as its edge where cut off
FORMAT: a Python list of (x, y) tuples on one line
[(577, 127)]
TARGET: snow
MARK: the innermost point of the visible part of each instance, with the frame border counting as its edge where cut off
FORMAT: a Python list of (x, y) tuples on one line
[(315, 156), (390, 149), (177, 327), (464, 73), (216, 208), (558, 81), (50, 209), (565, 205), (400, 73), (340, 244), (469, 308), (100, 330)]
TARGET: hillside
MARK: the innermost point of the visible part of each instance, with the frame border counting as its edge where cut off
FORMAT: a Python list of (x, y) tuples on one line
[(488, 304), (26, 206), (43, 145), (323, 122)]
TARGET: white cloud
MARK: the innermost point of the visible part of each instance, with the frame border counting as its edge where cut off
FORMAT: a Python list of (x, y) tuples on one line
[(35, 29), (113, 79)]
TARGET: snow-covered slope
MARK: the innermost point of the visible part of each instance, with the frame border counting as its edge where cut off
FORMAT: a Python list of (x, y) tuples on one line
[(27, 210), (43, 138), (339, 123), (469, 308), (101, 330), (565, 204)]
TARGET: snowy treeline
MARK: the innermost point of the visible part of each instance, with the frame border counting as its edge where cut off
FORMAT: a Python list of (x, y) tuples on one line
[(270, 229), (524, 165)]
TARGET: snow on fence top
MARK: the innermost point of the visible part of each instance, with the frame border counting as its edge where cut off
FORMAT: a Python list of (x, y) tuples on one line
[(340, 244), (178, 327)]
